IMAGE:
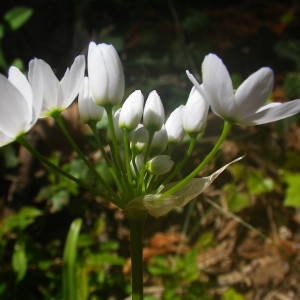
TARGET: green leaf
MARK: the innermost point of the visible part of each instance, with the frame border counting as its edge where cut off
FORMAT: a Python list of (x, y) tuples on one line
[(19, 261), (292, 195), (20, 220), (69, 261), (231, 294), (235, 199), (18, 16), (258, 184)]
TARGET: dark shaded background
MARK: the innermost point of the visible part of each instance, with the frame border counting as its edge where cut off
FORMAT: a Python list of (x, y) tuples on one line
[(174, 35)]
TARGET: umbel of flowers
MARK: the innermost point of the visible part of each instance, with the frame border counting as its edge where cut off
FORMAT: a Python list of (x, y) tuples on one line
[(146, 179)]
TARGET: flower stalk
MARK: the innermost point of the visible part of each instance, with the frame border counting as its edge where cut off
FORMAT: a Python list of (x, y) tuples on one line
[(136, 227)]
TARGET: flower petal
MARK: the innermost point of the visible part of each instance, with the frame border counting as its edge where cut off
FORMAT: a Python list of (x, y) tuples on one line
[(19, 80), (195, 112), (132, 110), (88, 109), (253, 92), (36, 81), (273, 112), (154, 113), (15, 112), (114, 68), (72, 81), (51, 86), (218, 85), (98, 79), (4, 139), (174, 125)]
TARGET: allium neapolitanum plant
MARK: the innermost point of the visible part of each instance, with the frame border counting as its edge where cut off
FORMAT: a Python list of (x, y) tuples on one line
[(146, 180)]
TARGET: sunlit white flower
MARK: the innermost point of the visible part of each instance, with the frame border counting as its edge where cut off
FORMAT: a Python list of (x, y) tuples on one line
[(154, 114), (132, 110), (160, 164), (20, 102), (105, 74), (245, 105), (58, 95), (88, 110), (195, 112), (174, 125)]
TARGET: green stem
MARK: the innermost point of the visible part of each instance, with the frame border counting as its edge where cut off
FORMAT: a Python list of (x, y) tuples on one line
[(116, 158), (180, 165), (204, 162), (22, 140), (141, 182), (93, 126), (54, 168), (126, 154), (58, 119), (136, 227)]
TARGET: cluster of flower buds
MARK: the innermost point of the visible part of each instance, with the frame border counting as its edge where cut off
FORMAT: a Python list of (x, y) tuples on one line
[(140, 139)]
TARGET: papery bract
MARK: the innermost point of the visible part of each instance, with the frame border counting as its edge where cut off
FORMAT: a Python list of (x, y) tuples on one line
[(245, 105), (158, 205), (105, 73)]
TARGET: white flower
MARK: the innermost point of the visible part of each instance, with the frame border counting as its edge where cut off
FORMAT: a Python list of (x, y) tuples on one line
[(139, 137), (132, 110), (174, 125), (58, 95), (20, 102), (118, 131), (245, 105), (105, 74), (160, 164), (154, 114), (195, 112), (159, 141), (88, 110)]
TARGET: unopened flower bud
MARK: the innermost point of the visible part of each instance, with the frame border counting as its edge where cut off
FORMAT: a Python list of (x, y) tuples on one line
[(132, 110), (139, 137), (118, 131), (105, 74), (138, 163), (160, 164), (174, 125), (154, 114), (195, 112), (159, 141), (88, 110)]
